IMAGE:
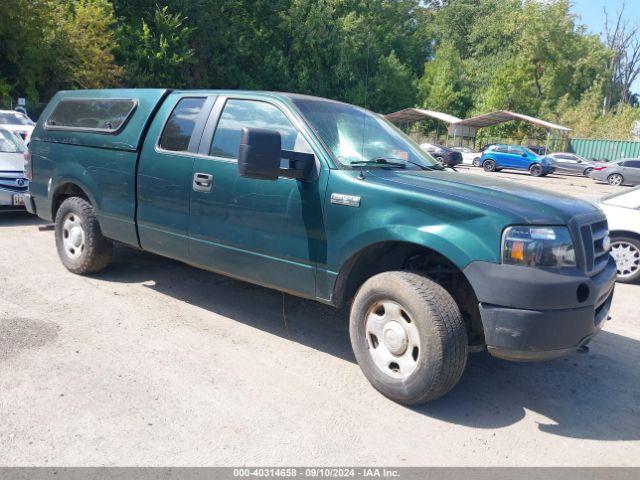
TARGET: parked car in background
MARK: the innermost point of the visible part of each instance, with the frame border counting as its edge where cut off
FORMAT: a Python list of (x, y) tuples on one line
[(469, 155), (572, 163), (444, 155), (18, 123), (622, 172), (515, 157), (623, 215), (13, 184)]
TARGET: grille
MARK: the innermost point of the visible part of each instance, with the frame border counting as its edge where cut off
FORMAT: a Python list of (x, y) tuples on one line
[(13, 184), (595, 256)]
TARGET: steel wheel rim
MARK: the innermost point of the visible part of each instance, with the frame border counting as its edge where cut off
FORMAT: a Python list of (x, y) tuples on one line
[(73, 236), (488, 165), (536, 169), (615, 179), (627, 257), (393, 339)]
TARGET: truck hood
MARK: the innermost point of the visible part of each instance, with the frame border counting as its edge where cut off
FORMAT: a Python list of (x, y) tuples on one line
[(11, 162), (530, 205)]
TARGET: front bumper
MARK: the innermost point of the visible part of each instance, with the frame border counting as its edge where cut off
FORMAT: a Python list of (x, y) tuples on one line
[(532, 314), (6, 200)]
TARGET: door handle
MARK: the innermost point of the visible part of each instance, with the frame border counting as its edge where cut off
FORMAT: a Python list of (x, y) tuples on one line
[(202, 182)]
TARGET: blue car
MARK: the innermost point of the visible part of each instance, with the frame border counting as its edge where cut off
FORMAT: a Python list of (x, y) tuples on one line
[(497, 157)]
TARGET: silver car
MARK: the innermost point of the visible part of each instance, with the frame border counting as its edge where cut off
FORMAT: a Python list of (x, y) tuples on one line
[(572, 163), (13, 184), (621, 172)]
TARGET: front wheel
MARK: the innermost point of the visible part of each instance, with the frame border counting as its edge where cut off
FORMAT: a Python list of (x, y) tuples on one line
[(587, 171), (626, 252), (489, 165), (408, 336), (476, 162), (536, 170), (81, 246), (615, 179)]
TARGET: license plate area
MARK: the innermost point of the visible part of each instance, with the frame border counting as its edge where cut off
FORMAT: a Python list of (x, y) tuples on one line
[(18, 199)]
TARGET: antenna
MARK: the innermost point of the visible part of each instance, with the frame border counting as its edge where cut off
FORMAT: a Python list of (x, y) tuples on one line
[(366, 84)]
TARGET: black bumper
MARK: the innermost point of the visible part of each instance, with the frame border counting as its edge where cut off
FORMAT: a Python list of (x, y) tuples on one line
[(532, 314)]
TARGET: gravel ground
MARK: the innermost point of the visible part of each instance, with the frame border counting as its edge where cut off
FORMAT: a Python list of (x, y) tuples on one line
[(153, 362)]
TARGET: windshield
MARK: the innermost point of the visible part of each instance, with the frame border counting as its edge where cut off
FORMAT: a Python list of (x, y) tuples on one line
[(531, 151), (9, 143), (14, 118), (355, 136)]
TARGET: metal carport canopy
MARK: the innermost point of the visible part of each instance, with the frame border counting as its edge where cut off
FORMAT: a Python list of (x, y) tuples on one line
[(415, 114), (502, 116)]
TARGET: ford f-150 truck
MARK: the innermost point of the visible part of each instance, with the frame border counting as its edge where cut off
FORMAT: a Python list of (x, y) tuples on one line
[(326, 201)]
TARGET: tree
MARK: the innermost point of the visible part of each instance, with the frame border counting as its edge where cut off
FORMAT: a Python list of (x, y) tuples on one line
[(623, 40), (157, 53), (86, 45)]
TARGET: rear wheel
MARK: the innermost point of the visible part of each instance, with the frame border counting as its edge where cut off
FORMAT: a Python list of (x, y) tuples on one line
[(626, 252), (615, 179), (81, 246), (408, 336), (536, 170), (489, 165)]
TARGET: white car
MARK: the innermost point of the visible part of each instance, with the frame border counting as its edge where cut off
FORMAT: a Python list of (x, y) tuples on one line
[(469, 155), (18, 123), (623, 215), (13, 183)]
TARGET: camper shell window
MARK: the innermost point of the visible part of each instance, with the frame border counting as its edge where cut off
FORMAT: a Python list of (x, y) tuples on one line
[(101, 115)]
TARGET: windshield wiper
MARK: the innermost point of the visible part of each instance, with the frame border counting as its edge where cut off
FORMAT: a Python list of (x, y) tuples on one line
[(379, 162), (415, 164)]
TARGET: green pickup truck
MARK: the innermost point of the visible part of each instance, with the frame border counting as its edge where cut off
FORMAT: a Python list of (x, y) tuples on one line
[(326, 201)]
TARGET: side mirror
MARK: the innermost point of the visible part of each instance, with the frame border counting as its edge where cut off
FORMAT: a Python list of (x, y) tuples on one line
[(260, 154), (524, 154)]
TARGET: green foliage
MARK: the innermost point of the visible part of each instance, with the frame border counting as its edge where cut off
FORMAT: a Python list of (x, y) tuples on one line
[(444, 85), (48, 45), (157, 52), (462, 57)]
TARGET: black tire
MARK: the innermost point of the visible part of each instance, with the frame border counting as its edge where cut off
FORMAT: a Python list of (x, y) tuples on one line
[(489, 165), (95, 252), (536, 170), (587, 171), (615, 179), (632, 260), (443, 345)]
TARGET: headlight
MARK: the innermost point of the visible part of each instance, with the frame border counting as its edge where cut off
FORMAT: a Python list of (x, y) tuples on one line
[(538, 247)]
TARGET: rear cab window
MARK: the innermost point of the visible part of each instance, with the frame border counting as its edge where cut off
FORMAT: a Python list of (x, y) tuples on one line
[(178, 131), (103, 115)]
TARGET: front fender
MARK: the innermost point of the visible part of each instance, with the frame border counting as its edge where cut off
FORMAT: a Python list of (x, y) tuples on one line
[(458, 244)]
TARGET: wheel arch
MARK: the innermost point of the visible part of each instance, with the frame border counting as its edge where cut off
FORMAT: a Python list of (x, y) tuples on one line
[(624, 233), (66, 188), (392, 255)]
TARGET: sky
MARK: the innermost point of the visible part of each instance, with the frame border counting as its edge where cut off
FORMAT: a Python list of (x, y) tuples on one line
[(592, 15)]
